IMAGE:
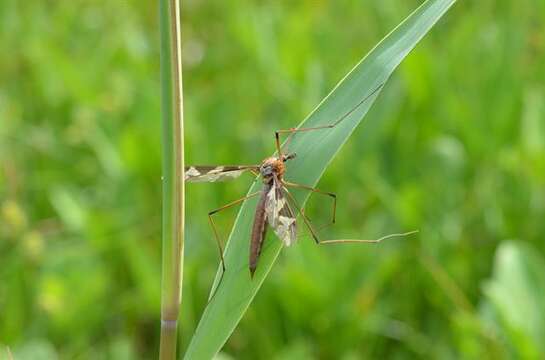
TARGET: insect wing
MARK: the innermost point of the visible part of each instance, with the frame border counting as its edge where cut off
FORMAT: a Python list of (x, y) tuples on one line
[(280, 216), (215, 173)]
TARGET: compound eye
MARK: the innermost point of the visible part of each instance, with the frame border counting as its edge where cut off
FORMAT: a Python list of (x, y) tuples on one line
[(266, 170)]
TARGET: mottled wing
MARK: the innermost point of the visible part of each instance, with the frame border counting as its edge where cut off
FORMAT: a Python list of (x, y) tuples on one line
[(215, 173), (279, 214)]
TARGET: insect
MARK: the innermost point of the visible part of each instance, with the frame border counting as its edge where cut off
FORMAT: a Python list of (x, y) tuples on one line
[(276, 206)]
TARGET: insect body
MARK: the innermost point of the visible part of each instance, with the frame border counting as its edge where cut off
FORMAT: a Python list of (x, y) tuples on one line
[(272, 208), (276, 206)]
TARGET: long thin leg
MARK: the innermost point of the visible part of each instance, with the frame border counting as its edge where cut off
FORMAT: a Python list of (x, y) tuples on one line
[(371, 241), (292, 131), (216, 234), (325, 242), (317, 191), (305, 219), (317, 229)]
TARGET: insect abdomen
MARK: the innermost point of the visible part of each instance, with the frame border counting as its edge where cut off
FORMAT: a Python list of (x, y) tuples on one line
[(258, 229)]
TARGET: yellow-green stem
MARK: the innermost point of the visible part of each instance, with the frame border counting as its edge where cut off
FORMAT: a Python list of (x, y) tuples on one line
[(173, 177)]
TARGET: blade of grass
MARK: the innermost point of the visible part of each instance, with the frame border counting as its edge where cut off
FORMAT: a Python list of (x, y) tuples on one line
[(315, 150), (173, 176)]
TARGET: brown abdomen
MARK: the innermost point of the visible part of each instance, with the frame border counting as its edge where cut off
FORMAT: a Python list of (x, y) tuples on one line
[(259, 229)]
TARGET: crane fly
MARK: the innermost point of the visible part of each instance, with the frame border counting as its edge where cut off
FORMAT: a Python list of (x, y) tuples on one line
[(276, 206)]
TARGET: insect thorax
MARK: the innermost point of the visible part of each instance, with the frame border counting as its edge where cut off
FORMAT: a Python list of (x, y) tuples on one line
[(270, 168)]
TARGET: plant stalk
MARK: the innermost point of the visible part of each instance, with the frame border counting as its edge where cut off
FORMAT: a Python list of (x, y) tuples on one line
[(173, 174)]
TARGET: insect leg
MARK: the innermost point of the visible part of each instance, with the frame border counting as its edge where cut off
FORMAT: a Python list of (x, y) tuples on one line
[(292, 131), (217, 237), (338, 241), (306, 220), (255, 172), (367, 241), (317, 191)]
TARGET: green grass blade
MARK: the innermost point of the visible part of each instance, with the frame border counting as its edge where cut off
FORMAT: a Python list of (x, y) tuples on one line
[(315, 150)]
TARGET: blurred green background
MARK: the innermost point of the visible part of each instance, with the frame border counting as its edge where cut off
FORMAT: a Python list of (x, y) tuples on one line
[(455, 147)]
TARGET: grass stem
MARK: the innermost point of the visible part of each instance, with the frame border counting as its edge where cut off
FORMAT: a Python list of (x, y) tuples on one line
[(173, 177)]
